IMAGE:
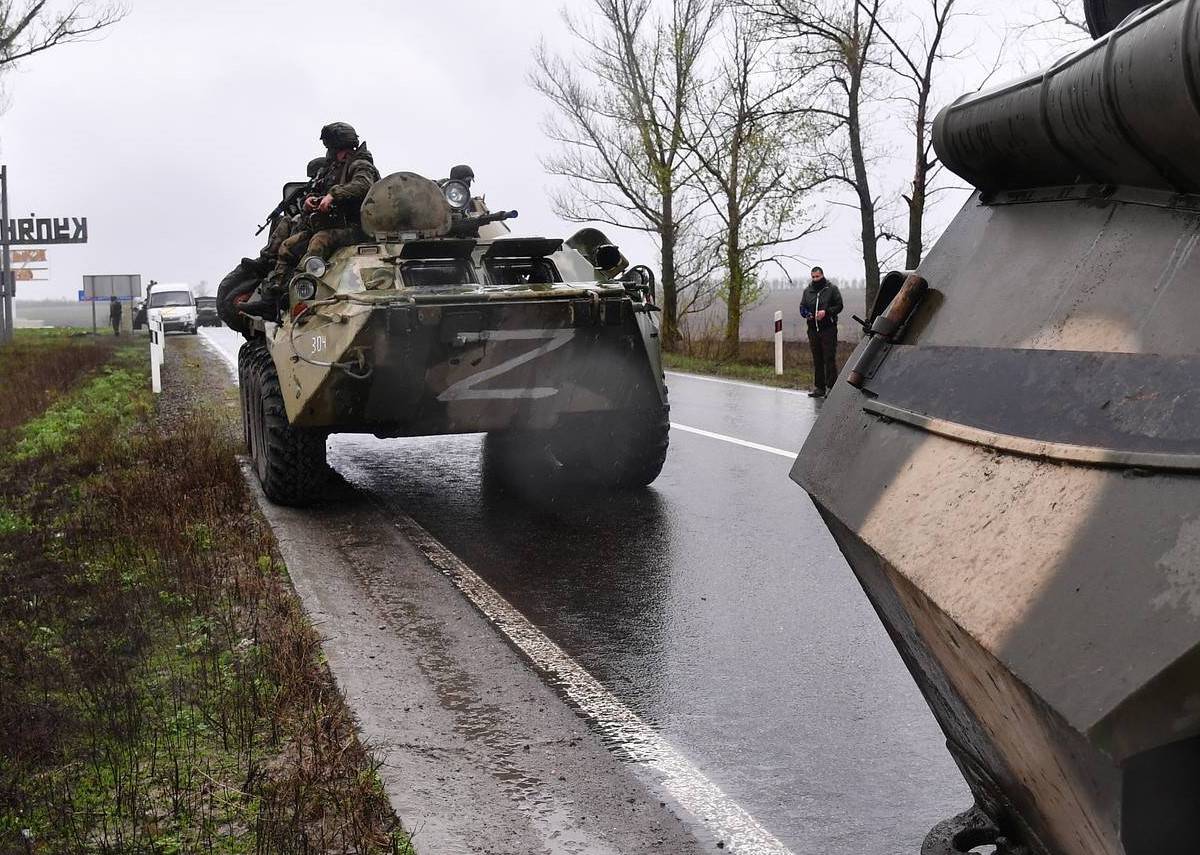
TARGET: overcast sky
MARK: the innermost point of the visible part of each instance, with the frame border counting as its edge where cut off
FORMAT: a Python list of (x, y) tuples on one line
[(174, 132)]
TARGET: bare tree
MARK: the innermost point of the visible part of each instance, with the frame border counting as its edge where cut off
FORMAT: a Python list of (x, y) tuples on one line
[(620, 106), (1065, 16), (28, 28), (834, 46), (917, 64), (744, 142)]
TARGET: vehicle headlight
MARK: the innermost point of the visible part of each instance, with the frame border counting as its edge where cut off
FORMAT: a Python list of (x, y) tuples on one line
[(304, 287), (314, 266), (458, 194)]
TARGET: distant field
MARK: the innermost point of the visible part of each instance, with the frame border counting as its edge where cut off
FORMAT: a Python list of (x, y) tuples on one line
[(758, 324), (61, 313)]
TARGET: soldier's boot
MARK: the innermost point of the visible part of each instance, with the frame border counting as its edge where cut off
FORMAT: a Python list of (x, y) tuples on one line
[(272, 293)]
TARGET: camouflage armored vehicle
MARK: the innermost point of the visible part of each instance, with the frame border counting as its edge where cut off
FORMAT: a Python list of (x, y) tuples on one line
[(1011, 463), (443, 322)]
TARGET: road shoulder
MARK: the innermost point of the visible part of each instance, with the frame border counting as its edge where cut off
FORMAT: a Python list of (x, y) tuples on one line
[(478, 754)]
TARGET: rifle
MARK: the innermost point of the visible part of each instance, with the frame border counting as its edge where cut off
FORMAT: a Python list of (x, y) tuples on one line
[(469, 226), (301, 192)]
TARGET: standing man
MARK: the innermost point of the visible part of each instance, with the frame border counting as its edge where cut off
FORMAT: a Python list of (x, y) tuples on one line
[(821, 305), (114, 314)]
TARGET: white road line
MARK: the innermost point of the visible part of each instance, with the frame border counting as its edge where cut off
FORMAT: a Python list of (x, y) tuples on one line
[(630, 737), (230, 361), (743, 384), (790, 455)]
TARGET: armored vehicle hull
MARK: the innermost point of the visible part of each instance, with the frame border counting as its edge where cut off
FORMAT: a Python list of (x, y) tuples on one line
[(1015, 475), (551, 350)]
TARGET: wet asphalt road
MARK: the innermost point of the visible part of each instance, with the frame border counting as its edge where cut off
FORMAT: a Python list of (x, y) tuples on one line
[(715, 605)]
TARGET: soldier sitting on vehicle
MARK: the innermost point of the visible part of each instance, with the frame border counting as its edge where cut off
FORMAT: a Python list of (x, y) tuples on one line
[(296, 223), (334, 217)]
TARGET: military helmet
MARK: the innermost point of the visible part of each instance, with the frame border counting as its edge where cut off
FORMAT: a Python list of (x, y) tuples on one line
[(316, 165), (462, 172), (339, 135)]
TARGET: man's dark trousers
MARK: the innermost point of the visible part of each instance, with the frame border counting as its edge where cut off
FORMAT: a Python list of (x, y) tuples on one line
[(824, 355)]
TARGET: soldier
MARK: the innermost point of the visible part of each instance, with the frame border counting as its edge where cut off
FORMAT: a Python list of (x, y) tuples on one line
[(291, 225), (114, 314), (333, 217)]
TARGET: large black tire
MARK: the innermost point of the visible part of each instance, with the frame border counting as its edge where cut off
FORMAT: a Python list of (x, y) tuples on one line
[(620, 450), (237, 287), (290, 462)]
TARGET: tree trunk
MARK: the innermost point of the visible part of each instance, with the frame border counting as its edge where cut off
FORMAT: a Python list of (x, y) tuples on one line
[(916, 223), (670, 297), (866, 204), (916, 205), (736, 290)]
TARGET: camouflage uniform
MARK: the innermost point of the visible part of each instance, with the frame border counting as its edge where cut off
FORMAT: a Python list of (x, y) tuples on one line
[(294, 224), (347, 181)]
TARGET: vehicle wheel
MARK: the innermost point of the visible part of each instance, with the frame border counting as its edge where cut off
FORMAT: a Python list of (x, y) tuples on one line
[(618, 450), (519, 459), (290, 462), (237, 288)]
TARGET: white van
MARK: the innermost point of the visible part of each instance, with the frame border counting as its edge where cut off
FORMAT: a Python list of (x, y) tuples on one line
[(174, 305)]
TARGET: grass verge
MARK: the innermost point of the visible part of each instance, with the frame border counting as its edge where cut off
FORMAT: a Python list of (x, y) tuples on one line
[(163, 691), (755, 364)]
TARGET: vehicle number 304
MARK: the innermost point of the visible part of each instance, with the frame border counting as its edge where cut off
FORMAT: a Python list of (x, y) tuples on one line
[(319, 343)]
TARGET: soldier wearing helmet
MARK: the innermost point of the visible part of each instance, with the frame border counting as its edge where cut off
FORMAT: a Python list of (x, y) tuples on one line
[(333, 218), (295, 221)]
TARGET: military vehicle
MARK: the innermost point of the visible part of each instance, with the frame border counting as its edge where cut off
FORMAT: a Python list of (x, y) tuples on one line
[(443, 322), (1011, 462)]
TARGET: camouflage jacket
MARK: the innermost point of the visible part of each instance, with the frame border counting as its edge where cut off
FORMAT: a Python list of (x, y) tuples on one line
[(348, 183)]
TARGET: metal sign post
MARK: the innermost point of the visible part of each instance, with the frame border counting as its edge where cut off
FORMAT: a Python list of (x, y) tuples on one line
[(6, 277)]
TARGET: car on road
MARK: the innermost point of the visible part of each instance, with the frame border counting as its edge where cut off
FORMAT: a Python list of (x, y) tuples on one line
[(174, 306), (206, 312), (442, 322)]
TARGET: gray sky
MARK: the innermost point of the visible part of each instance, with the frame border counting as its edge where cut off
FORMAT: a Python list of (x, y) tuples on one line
[(174, 132)]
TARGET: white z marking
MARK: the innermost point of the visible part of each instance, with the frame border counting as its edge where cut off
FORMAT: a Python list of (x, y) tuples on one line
[(464, 390)]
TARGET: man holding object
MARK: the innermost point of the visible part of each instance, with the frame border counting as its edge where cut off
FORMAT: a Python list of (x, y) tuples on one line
[(820, 306)]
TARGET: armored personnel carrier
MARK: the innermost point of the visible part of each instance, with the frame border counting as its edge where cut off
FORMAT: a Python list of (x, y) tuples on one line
[(443, 322), (1011, 463)]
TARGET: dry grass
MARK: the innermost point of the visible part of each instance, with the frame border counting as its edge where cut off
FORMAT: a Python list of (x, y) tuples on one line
[(756, 363), (163, 690), (40, 366)]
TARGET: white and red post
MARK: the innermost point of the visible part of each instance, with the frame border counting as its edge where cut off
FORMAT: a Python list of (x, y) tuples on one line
[(156, 354), (779, 344)]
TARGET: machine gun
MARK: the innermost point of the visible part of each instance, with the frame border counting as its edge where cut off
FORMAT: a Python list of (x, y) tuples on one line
[(469, 226)]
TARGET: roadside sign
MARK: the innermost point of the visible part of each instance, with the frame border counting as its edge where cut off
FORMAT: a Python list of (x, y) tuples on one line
[(105, 287), (33, 230), (29, 256)]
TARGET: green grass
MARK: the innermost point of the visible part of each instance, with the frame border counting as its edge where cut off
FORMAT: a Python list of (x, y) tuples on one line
[(792, 378), (163, 692)]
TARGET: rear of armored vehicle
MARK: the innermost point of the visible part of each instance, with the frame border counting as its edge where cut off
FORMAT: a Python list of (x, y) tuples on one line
[(462, 336), (520, 338), (1015, 479)]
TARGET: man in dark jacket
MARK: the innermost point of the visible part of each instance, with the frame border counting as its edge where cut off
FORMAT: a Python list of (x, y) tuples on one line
[(114, 314), (820, 306)]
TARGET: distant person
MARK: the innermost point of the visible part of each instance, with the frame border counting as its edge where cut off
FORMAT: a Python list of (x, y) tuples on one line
[(820, 306), (114, 314)]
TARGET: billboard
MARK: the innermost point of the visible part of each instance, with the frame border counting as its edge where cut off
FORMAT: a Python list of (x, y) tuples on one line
[(105, 287)]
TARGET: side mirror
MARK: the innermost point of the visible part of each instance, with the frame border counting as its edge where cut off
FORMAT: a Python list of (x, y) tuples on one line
[(607, 257)]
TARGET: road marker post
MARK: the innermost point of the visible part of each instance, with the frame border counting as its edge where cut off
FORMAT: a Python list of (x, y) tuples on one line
[(779, 344), (156, 355)]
